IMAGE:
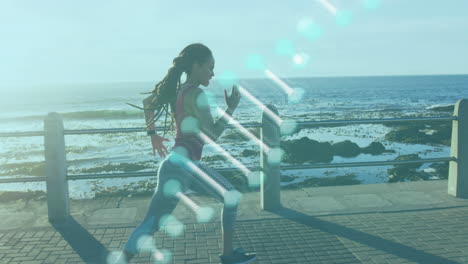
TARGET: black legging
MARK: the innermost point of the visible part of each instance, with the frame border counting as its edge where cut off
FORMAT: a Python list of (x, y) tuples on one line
[(186, 173)]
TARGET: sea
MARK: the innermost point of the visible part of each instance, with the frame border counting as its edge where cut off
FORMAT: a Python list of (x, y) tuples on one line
[(104, 105)]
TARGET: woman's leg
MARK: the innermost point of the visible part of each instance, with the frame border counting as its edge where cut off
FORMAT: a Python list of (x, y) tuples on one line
[(161, 204), (229, 215), (227, 243), (229, 210)]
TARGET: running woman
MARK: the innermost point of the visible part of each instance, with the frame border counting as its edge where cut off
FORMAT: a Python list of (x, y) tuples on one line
[(189, 107)]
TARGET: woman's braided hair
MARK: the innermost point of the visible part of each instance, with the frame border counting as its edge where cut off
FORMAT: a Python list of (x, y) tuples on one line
[(166, 91)]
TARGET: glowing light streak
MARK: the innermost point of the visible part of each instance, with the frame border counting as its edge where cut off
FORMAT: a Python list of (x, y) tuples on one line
[(204, 214), (244, 130), (227, 155), (206, 177), (259, 104), (189, 202), (329, 6), (278, 81)]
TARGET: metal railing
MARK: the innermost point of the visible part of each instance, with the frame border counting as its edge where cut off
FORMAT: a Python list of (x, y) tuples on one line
[(301, 125), (57, 176)]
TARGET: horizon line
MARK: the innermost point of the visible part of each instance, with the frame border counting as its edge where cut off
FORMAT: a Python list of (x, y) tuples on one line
[(240, 78)]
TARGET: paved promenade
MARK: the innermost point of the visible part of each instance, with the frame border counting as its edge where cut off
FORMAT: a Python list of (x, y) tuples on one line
[(376, 223)]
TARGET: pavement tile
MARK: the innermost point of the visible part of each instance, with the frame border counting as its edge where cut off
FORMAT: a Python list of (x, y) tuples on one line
[(417, 230)]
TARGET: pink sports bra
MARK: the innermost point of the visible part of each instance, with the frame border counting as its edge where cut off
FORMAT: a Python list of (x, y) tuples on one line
[(190, 141)]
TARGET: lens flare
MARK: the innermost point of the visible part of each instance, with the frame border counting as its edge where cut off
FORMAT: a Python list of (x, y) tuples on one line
[(263, 176), (344, 18), (307, 28), (298, 59), (301, 60), (212, 102), (278, 81), (296, 96), (162, 256), (178, 156), (146, 243), (116, 257), (171, 225), (204, 214), (232, 198), (202, 101), (158, 256), (253, 179), (371, 4), (171, 187), (275, 155), (189, 125), (288, 127), (285, 47), (331, 8)]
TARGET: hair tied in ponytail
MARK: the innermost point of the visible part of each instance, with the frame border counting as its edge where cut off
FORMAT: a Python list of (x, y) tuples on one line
[(180, 64), (165, 92)]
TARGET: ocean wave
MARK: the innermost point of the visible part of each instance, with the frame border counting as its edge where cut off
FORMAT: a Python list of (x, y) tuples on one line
[(389, 109), (88, 115), (441, 107)]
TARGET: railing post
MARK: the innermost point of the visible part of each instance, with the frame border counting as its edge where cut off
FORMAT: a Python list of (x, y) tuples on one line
[(270, 161), (458, 170), (56, 169)]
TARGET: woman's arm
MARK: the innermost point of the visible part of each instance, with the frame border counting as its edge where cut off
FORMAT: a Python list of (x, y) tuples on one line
[(207, 125), (156, 140), (211, 128)]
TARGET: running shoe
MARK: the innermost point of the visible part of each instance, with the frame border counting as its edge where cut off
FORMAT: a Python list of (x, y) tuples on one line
[(239, 256)]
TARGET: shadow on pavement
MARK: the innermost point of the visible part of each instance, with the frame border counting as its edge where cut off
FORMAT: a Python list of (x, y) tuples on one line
[(85, 245), (398, 211), (369, 240)]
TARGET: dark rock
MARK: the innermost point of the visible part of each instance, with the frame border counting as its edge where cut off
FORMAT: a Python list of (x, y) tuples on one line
[(410, 176), (285, 178), (306, 150), (442, 169), (405, 172), (414, 133), (346, 149), (443, 134), (408, 135), (409, 157), (375, 148), (309, 150)]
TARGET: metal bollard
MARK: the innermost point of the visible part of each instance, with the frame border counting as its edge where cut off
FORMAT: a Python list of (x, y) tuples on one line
[(56, 169), (270, 166), (458, 170)]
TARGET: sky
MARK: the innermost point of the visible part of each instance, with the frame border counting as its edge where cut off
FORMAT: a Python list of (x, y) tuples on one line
[(65, 41)]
